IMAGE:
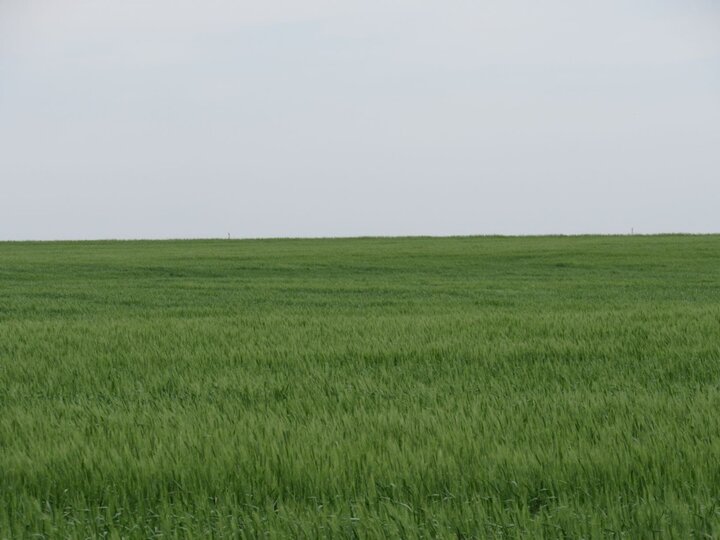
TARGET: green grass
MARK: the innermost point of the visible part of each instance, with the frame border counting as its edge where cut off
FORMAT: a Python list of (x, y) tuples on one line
[(364, 388)]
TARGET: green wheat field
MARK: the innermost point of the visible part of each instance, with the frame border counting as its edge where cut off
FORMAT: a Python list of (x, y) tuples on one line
[(468, 387)]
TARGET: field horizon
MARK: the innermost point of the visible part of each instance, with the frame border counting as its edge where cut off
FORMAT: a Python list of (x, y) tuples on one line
[(554, 386), (354, 237)]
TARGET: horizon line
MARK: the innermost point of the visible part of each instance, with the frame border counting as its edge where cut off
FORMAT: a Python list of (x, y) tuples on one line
[(352, 237)]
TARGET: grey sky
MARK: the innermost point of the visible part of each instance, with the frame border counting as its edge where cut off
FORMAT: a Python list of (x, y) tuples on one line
[(179, 118)]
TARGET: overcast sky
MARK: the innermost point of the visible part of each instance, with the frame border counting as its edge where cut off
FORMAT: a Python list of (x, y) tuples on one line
[(180, 118)]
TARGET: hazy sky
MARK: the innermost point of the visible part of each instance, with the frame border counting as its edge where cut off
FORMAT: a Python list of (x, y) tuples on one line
[(179, 118)]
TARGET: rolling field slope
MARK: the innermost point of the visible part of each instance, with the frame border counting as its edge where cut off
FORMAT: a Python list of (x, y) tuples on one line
[(362, 388)]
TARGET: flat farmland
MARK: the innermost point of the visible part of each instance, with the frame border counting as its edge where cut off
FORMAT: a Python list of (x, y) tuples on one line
[(466, 387)]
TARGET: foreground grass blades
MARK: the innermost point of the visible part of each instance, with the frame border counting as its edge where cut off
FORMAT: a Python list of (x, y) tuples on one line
[(399, 388)]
